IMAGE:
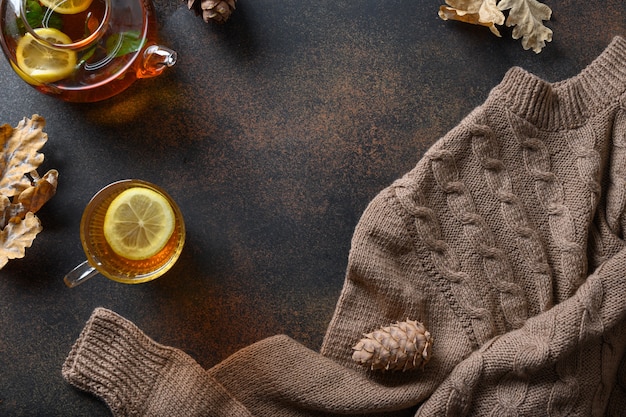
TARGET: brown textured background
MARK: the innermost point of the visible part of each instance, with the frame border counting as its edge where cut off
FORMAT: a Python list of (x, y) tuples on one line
[(272, 132)]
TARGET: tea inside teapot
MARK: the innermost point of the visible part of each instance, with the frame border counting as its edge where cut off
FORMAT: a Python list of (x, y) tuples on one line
[(82, 50)]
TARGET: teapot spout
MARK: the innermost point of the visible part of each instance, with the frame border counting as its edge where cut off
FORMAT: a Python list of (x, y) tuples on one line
[(155, 59)]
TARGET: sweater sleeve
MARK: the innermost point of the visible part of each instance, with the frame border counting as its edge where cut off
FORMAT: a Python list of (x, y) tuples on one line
[(134, 375)]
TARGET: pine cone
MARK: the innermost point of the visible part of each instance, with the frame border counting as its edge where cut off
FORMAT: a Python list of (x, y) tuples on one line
[(399, 347), (212, 10)]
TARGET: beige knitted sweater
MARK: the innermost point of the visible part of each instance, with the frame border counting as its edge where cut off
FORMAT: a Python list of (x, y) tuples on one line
[(506, 240)]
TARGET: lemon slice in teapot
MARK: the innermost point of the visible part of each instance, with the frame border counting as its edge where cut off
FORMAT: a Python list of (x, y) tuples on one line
[(67, 6), (42, 62)]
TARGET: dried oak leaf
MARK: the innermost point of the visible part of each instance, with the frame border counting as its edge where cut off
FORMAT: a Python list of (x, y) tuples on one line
[(16, 237), (42, 190), (22, 191), (527, 16), (477, 12), (20, 154)]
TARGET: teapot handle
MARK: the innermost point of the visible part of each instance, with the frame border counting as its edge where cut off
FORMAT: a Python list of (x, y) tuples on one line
[(155, 59)]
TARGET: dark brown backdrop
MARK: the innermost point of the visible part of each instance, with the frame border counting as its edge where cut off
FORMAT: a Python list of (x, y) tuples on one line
[(272, 132)]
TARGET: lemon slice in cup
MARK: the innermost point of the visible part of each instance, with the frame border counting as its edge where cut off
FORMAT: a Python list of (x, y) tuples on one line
[(138, 223), (44, 63), (67, 6)]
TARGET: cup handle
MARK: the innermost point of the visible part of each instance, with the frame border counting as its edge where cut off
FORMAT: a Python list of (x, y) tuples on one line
[(80, 274)]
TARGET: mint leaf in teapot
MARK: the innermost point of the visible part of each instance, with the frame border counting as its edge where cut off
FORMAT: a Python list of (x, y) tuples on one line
[(115, 46), (123, 43), (34, 13), (38, 16)]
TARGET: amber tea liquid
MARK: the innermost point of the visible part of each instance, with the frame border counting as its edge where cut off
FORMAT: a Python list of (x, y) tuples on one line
[(105, 260)]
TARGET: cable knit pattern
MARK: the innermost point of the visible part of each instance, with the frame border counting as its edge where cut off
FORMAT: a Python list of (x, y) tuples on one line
[(512, 388), (617, 171), (514, 302), (462, 298), (507, 239), (582, 142), (550, 194), (480, 236)]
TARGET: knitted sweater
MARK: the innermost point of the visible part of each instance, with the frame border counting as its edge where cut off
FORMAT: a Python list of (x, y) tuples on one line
[(506, 241)]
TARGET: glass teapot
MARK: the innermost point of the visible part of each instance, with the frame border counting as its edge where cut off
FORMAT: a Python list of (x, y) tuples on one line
[(82, 50)]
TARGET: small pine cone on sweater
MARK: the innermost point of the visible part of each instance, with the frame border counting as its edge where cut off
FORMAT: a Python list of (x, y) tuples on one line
[(399, 347), (212, 10)]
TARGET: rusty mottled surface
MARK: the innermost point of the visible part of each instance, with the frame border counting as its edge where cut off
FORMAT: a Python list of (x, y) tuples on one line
[(272, 132)]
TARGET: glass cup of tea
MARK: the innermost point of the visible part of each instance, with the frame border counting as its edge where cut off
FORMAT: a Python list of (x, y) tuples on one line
[(131, 231)]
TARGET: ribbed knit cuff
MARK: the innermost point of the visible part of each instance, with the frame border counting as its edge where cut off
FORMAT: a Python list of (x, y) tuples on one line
[(114, 360)]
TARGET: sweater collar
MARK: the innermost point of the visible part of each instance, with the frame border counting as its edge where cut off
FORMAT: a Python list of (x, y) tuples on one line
[(568, 103)]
